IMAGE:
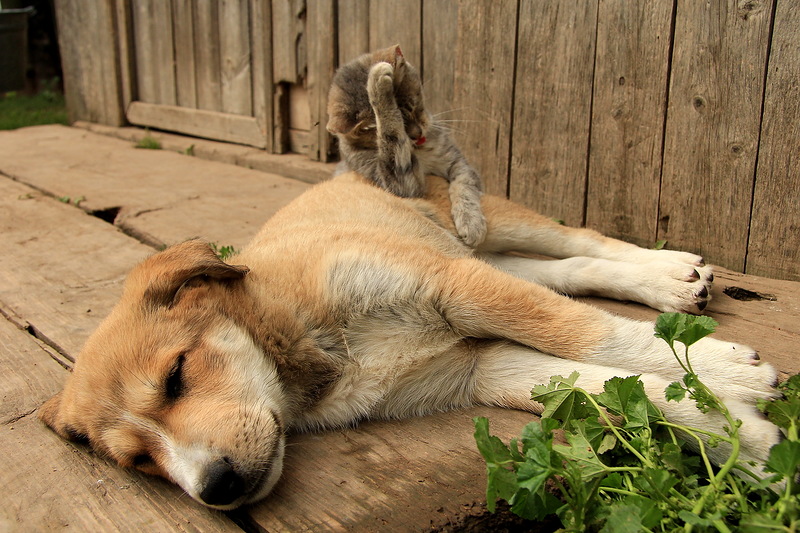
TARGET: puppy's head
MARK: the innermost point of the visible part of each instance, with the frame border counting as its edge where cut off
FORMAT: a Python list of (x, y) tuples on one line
[(171, 385)]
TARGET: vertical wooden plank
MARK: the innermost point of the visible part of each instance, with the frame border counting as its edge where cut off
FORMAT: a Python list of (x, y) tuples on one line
[(628, 114), (552, 106), (353, 26), (439, 41), (234, 47), (155, 58), (321, 64), (288, 40), (207, 55), (392, 22), (261, 36), (90, 62), (126, 55), (712, 129), (775, 227), (183, 28), (483, 87)]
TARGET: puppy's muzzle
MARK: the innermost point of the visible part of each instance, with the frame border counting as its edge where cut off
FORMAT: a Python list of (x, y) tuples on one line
[(223, 485)]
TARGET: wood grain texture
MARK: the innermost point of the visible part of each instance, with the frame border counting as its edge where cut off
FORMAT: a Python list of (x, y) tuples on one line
[(89, 61), (774, 243), (261, 47), (207, 56), (713, 120), (439, 42), (392, 22), (199, 122), (289, 40), (155, 57), (235, 57), (183, 29), (552, 107), (483, 88), (353, 29), (393, 476), (321, 66), (629, 110)]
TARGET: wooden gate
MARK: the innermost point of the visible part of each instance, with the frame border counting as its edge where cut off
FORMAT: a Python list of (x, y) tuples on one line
[(200, 67)]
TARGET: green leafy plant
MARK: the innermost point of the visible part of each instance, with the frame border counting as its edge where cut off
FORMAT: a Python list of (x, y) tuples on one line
[(223, 252), (148, 142), (75, 201), (623, 467)]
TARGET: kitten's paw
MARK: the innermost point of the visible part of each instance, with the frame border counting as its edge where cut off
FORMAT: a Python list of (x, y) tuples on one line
[(380, 84), (471, 226)]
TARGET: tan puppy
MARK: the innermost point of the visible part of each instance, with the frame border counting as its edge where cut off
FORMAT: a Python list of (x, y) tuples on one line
[(357, 304)]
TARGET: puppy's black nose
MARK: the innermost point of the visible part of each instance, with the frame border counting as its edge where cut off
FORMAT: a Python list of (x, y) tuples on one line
[(223, 485)]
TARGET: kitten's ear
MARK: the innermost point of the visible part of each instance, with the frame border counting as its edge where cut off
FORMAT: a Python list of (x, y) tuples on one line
[(392, 55)]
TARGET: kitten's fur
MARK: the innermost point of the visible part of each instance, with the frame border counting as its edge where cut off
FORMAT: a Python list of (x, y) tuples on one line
[(377, 112)]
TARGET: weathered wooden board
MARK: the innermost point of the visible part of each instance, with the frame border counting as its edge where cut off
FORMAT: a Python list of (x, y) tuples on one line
[(29, 374), (168, 199), (321, 20), (60, 487), (383, 476), (555, 64), (207, 56), (353, 29), (261, 36), (155, 56), (91, 81), (483, 91), (774, 244), (400, 23), (629, 104), (440, 38), (288, 40), (235, 57), (199, 122), (713, 120), (67, 267), (185, 66)]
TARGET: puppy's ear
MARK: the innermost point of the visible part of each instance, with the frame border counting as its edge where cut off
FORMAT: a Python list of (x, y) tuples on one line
[(158, 279), (51, 413)]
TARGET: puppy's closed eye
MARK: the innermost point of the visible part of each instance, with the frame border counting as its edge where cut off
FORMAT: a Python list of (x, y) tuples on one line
[(175, 385)]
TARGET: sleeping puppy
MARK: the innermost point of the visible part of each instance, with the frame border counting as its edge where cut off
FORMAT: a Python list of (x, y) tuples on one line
[(352, 303)]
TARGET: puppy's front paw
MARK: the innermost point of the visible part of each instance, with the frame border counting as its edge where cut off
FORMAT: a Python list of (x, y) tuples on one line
[(677, 287)]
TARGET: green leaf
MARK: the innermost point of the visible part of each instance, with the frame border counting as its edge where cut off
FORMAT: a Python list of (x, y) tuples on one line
[(782, 412), (562, 400), (492, 448), (656, 482), (623, 518), (687, 329), (581, 455), (693, 519), (696, 327), (675, 392), (784, 458), (534, 506), (626, 397)]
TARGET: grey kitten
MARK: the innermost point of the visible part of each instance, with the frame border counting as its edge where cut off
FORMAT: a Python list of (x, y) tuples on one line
[(377, 112)]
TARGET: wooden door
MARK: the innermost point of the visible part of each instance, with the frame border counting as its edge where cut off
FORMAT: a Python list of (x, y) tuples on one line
[(201, 67)]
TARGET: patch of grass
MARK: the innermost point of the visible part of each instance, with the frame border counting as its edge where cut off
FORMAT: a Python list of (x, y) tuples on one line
[(148, 142), (18, 110)]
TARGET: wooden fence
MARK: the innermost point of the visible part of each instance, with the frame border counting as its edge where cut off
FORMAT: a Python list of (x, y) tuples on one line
[(647, 120)]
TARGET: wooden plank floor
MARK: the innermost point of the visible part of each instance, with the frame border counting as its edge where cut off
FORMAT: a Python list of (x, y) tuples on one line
[(61, 271)]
